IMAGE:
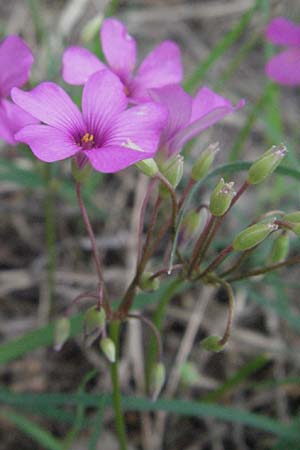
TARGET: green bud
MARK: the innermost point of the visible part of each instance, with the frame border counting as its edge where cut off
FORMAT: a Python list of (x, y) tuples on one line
[(94, 318), (147, 167), (212, 344), (252, 236), (148, 285), (80, 174), (205, 161), (293, 217), (221, 198), (158, 377), (62, 330), (296, 228), (172, 169), (191, 222), (109, 349), (266, 164), (189, 373), (91, 29), (280, 248)]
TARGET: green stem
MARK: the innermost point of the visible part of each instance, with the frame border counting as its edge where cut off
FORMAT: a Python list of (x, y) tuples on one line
[(117, 403), (151, 353), (49, 230)]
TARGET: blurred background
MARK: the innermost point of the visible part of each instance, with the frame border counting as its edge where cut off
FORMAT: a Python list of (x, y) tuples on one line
[(222, 47)]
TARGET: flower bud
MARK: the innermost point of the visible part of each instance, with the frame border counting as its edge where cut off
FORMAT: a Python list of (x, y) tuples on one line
[(109, 349), (212, 344), (293, 217), (172, 169), (221, 198), (146, 284), (94, 318), (158, 377), (80, 174), (205, 161), (147, 167), (252, 236), (280, 248), (62, 330), (266, 164)]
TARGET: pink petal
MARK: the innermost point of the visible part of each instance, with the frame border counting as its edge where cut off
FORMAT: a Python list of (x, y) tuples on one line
[(16, 60), (179, 106), (103, 97), (285, 67), (12, 119), (49, 103), (161, 67), (118, 47), (47, 143), (208, 108), (79, 64), (282, 31), (134, 137)]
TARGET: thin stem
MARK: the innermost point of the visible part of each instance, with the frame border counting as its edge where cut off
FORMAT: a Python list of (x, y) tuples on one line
[(165, 271), (262, 271), (117, 402), (172, 193), (237, 263), (186, 192), (154, 330), (50, 231), (82, 296), (158, 317), (224, 253), (230, 295), (200, 244), (142, 217), (90, 232)]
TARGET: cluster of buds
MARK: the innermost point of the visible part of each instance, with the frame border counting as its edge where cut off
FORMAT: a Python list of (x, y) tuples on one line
[(199, 227)]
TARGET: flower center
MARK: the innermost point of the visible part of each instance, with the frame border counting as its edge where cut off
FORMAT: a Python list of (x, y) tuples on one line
[(87, 141)]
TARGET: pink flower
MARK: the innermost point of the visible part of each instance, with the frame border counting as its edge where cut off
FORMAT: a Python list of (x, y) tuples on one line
[(161, 67), (104, 133), (16, 60), (284, 67), (189, 116)]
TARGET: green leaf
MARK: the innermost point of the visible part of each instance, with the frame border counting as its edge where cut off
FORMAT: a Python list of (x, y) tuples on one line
[(34, 431), (180, 407)]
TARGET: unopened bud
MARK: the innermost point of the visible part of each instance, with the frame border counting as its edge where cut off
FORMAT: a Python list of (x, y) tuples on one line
[(205, 161), (293, 217), (266, 164), (280, 248), (212, 344), (80, 174), (293, 220), (172, 169), (147, 167), (252, 236), (147, 284), (158, 377), (109, 349), (62, 330), (221, 198), (94, 319)]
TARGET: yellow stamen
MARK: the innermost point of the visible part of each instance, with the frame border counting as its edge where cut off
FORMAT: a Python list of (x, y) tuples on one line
[(87, 138)]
